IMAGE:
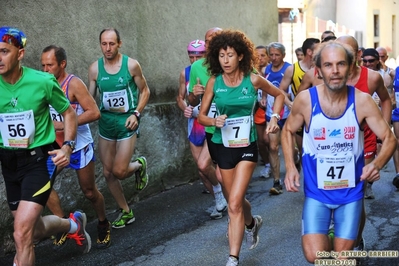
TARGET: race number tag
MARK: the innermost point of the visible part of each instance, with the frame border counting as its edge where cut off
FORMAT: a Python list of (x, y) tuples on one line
[(116, 101), (259, 95), (55, 116), (397, 98), (212, 111), (335, 172), (17, 129), (196, 110), (236, 132)]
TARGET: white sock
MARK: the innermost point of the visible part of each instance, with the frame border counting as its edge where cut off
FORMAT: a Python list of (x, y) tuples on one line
[(267, 165), (74, 226), (217, 188)]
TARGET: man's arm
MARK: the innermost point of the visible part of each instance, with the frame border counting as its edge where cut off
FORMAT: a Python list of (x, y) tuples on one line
[(78, 93), (139, 79), (196, 89), (376, 84), (307, 80), (206, 102), (93, 73), (61, 156), (181, 96), (368, 111), (285, 83), (296, 119)]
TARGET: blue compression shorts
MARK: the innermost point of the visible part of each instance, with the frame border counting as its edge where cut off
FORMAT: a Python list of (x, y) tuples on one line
[(316, 218)]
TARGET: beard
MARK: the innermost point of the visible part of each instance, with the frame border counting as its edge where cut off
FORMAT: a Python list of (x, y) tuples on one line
[(334, 86)]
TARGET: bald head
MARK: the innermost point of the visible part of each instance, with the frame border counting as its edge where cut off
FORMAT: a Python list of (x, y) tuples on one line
[(383, 53), (209, 34), (349, 40)]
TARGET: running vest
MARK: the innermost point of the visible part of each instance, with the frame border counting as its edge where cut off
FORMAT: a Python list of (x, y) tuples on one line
[(297, 76), (118, 92), (196, 131), (235, 102), (333, 151), (362, 83), (396, 89), (83, 133), (275, 78)]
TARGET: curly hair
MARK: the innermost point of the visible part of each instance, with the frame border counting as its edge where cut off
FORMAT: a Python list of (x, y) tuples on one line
[(239, 42)]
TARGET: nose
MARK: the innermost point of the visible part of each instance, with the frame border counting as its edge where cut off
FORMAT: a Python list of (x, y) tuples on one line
[(45, 68)]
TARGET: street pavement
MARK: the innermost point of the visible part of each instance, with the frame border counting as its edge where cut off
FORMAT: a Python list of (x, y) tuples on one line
[(174, 228)]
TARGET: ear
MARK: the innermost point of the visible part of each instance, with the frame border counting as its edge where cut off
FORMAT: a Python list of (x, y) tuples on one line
[(21, 53), (318, 72), (120, 44), (63, 64), (240, 57)]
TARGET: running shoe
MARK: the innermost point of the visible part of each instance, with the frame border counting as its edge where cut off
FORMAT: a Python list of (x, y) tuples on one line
[(252, 234), (231, 261), (81, 237), (277, 188), (221, 204), (265, 172), (216, 215), (395, 181), (361, 246), (60, 240), (124, 219), (141, 174), (104, 235), (369, 192)]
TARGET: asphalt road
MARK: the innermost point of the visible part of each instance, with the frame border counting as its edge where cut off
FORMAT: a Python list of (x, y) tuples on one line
[(174, 228)]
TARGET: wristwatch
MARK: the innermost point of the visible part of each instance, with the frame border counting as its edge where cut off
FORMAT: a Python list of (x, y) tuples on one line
[(276, 116), (136, 114), (70, 143)]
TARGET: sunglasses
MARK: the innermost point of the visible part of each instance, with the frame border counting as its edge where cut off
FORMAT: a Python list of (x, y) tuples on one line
[(369, 61)]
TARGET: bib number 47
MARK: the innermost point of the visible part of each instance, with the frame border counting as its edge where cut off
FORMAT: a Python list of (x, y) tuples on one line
[(335, 171)]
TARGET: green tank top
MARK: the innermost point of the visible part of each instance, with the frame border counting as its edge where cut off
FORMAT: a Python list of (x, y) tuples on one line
[(235, 102), (118, 92)]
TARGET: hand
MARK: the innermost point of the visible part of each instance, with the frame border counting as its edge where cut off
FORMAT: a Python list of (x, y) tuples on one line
[(131, 122), (370, 173), (272, 126), (188, 112), (291, 180), (61, 157), (262, 103), (198, 89), (220, 120)]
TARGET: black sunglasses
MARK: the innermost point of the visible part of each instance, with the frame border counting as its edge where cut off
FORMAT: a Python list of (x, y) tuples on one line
[(369, 61)]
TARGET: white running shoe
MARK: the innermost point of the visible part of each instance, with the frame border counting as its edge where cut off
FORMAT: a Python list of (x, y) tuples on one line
[(266, 172), (215, 215), (252, 234), (221, 203), (231, 261)]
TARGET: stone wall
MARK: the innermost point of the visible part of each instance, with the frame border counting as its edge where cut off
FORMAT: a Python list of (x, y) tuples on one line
[(156, 33)]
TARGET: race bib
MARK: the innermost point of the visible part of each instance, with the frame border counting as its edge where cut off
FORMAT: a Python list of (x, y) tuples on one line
[(212, 111), (116, 101), (397, 98), (17, 129), (259, 95), (335, 172), (196, 110), (55, 116), (236, 132)]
